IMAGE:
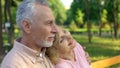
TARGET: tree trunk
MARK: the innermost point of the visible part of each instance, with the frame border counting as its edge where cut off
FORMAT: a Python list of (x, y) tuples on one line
[(5, 11), (2, 52), (88, 21), (100, 22), (115, 30), (11, 29), (100, 29), (89, 31), (8, 19), (115, 11)]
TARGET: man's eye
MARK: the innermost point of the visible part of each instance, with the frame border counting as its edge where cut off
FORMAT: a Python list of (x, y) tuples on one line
[(50, 22)]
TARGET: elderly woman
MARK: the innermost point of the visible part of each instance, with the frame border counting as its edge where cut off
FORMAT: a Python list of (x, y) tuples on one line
[(66, 52)]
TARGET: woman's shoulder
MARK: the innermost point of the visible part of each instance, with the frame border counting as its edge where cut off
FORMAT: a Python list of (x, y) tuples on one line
[(63, 64), (78, 46), (79, 50)]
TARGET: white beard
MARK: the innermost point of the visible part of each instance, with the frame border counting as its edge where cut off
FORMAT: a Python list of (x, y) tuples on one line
[(46, 44), (43, 43)]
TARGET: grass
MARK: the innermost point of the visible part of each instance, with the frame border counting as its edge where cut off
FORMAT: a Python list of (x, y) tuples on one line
[(100, 48), (80, 30)]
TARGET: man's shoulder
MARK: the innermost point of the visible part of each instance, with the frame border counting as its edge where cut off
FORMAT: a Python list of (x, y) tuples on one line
[(12, 58), (13, 54)]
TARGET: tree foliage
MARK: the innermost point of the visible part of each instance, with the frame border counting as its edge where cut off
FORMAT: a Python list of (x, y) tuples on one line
[(113, 14), (73, 26), (79, 18), (80, 4), (7, 14), (104, 16), (58, 11)]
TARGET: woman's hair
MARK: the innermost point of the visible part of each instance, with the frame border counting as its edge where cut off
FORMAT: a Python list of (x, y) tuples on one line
[(52, 52)]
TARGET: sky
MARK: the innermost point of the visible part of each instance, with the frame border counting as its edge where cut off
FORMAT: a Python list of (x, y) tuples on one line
[(67, 3)]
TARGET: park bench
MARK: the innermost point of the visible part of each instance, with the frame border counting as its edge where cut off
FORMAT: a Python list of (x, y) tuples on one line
[(106, 62)]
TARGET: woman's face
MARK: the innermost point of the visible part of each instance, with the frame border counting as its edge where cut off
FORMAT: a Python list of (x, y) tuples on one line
[(66, 43)]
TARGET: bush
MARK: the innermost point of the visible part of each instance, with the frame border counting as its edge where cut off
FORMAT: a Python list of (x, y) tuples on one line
[(73, 26)]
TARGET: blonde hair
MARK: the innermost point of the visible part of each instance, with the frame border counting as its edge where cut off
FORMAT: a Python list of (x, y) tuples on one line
[(52, 52)]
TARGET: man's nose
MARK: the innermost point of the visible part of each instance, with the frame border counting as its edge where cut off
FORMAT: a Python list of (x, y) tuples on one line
[(54, 28)]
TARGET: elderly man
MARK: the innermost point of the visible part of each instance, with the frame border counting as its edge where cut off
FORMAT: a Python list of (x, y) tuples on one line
[(36, 22)]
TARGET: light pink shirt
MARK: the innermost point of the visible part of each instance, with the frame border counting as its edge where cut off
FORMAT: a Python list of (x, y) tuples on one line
[(24, 57), (80, 62)]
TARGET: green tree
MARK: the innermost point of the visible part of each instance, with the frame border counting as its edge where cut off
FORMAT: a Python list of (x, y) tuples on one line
[(69, 17), (8, 15), (119, 13), (88, 10), (79, 18), (8, 18), (75, 7), (101, 7), (104, 16), (85, 6), (113, 14), (119, 18), (73, 26), (58, 10)]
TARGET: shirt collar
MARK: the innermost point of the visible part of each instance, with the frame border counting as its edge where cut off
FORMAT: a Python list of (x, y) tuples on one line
[(33, 55)]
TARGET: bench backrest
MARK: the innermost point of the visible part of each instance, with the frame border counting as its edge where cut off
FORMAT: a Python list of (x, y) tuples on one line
[(106, 62)]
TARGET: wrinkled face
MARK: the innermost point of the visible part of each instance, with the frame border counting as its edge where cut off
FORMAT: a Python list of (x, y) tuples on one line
[(66, 43), (43, 29)]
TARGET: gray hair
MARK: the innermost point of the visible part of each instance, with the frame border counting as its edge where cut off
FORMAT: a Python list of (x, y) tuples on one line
[(26, 10)]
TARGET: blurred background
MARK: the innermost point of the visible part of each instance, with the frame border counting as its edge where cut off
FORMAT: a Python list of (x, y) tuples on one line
[(95, 24)]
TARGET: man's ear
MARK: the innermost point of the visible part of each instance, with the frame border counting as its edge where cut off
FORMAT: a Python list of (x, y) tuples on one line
[(26, 24)]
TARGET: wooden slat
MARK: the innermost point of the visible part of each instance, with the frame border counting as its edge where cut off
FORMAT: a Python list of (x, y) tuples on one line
[(106, 62)]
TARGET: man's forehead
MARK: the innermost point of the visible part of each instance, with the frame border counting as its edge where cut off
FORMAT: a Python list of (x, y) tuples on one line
[(44, 12), (42, 8)]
